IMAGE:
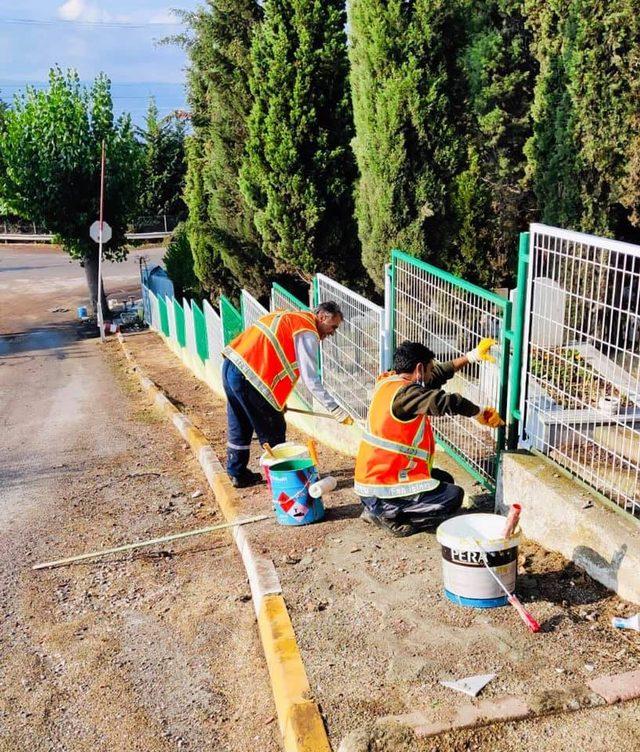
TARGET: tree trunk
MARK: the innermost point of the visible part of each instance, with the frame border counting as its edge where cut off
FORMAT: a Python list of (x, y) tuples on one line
[(91, 273)]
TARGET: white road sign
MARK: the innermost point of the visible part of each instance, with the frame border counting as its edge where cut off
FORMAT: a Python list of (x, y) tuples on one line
[(94, 231)]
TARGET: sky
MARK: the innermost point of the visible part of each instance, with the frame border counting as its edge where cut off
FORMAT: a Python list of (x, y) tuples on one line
[(118, 37)]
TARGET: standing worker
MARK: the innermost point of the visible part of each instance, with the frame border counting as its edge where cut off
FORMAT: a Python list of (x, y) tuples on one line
[(261, 368), (400, 490)]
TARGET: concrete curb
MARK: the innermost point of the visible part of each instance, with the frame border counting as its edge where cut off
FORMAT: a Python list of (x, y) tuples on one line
[(299, 718), (603, 690)]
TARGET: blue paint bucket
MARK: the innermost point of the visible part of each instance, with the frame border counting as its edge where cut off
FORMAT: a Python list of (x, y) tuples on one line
[(82, 312), (290, 481)]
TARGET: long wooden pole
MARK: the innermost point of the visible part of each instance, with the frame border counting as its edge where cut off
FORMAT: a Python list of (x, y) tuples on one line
[(151, 542), (309, 412)]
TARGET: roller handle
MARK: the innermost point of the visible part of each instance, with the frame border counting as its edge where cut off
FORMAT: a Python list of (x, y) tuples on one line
[(512, 520), (524, 614)]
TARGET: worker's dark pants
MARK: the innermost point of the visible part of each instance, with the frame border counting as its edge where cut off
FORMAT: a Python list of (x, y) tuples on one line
[(421, 510), (247, 411)]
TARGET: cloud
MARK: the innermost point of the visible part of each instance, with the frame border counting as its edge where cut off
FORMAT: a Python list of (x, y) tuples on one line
[(81, 10)]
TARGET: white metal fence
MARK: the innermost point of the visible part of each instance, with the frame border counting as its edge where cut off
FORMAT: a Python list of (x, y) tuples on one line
[(251, 309), (214, 335), (581, 363), (450, 316), (352, 358)]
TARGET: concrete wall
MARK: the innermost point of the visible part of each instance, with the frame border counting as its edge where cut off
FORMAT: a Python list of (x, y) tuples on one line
[(561, 516)]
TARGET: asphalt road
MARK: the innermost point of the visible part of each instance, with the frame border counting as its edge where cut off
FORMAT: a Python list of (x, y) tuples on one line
[(28, 269)]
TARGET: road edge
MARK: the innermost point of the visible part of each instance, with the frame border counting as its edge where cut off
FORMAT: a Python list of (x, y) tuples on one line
[(301, 724)]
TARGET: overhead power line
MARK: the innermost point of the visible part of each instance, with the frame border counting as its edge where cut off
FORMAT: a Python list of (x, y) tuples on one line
[(87, 24)]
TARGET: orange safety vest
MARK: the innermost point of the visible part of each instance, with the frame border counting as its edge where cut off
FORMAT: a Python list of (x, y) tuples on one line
[(395, 456), (266, 355)]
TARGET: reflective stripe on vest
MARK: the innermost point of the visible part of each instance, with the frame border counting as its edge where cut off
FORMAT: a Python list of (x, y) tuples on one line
[(265, 353), (394, 457)]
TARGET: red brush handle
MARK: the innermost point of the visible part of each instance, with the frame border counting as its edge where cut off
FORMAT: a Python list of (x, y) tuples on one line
[(524, 614), (512, 520)]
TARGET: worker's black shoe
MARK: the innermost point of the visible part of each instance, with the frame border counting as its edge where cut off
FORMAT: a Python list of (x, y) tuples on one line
[(397, 529), (245, 479), (368, 516)]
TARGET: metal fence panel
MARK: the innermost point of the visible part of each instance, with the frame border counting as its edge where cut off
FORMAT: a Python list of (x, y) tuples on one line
[(164, 318), (153, 310), (231, 318), (282, 299), (202, 345), (251, 309), (189, 328), (178, 313), (581, 360), (215, 338), (450, 316), (352, 358), (146, 305)]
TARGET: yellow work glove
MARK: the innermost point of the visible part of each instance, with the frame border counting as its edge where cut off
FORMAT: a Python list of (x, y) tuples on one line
[(482, 351), (489, 416)]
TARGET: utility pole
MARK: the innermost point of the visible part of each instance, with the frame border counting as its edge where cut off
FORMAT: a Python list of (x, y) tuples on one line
[(100, 319)]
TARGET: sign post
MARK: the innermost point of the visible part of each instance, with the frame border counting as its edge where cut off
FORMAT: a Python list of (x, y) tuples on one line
[(100, 232)]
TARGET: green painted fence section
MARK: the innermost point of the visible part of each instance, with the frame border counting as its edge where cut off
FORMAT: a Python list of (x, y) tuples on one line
[(180, 328), (232, 323), (164, 316), (282, 298), (451, 315), (200, 326)]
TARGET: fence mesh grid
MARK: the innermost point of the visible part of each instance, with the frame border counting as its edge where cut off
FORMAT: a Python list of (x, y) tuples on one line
[(281, 299), (582, 365), (252, 310), (214, 335), (351, 358), (450, 317)]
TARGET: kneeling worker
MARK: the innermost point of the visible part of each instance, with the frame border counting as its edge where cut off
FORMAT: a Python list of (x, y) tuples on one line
[(261, 368), (399, 489)]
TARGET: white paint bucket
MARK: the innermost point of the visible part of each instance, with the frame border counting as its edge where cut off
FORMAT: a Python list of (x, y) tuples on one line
[(465, 540)]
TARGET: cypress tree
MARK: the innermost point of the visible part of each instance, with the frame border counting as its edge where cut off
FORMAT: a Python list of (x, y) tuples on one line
[(492, 200), (299, 171), (407, 109), (220, 227), (581, 155), (163, 164)]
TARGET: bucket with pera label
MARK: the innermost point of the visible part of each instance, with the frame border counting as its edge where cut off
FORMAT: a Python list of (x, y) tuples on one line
[(292, 502), (286, 451), (466, 540)]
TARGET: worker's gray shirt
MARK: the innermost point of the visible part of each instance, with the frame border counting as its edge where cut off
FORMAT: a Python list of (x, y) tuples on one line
[(430, 399), (306, 346)]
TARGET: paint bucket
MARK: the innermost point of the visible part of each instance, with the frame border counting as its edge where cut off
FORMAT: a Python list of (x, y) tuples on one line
[(464, 540), (290, 481), (286, 451), (82, 312)]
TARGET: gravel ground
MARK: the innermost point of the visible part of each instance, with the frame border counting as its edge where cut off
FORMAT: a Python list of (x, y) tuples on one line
[(377, 635), (151, 652)]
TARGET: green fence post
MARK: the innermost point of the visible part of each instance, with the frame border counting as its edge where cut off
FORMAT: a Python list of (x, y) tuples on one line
[(232, 321), (164, 317), (181, 333), (515, 375), (200, 326)]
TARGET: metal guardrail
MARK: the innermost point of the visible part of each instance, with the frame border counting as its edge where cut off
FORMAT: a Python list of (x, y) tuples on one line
[(16, 237)]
